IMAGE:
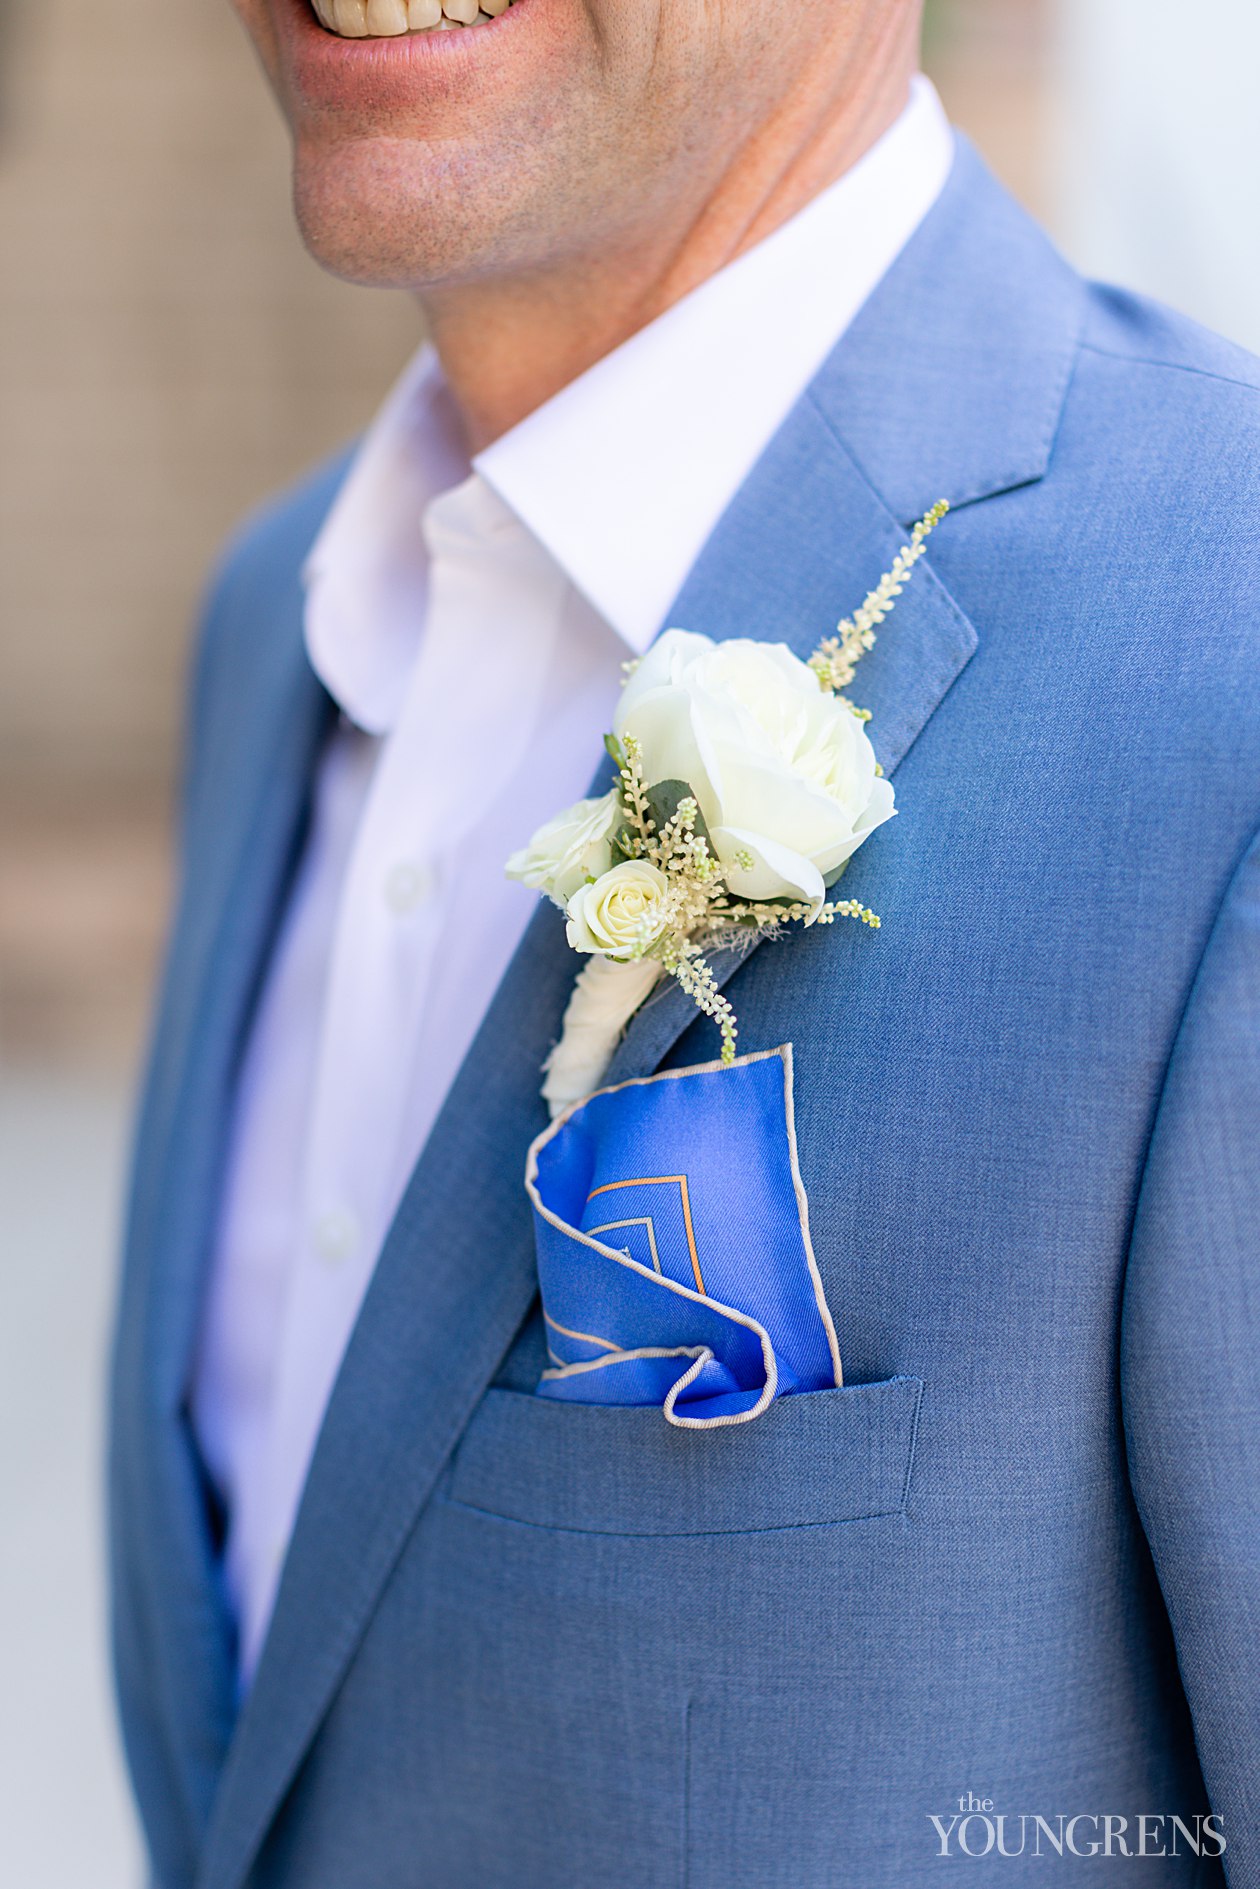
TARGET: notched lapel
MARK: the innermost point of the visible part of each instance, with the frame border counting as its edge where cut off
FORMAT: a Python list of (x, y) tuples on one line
[(950, 384), (257, 754)]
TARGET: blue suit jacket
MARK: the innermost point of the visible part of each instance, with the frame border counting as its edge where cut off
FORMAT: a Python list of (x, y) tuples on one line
[(521, 1643)]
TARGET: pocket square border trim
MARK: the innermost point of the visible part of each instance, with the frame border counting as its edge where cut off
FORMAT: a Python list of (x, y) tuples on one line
[(699, 1355)]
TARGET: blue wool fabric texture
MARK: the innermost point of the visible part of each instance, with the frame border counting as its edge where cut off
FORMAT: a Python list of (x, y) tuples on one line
[(526, 1643), (674, 1262)]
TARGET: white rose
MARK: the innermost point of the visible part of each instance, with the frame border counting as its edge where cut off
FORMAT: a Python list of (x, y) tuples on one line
[(569, 850), (621, 913), (784, 773)]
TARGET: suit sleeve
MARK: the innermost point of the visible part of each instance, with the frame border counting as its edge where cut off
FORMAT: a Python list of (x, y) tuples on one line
[(1190, 1362)]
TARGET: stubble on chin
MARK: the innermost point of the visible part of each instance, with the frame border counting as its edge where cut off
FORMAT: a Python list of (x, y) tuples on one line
[(402, 213)]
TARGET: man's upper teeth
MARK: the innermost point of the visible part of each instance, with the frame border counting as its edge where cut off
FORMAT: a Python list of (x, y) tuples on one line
[(383, 19)]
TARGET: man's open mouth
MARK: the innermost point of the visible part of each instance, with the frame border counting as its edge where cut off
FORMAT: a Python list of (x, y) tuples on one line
[(385, 19)]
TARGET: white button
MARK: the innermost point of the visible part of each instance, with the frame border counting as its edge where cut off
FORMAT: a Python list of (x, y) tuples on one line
[(336, 1236), (407, 885)]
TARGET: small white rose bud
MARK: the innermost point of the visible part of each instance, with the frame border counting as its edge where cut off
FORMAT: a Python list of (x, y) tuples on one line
[(622, 914)]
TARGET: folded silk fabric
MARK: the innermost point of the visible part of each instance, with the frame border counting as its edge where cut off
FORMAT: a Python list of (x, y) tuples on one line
[(674, 1255)]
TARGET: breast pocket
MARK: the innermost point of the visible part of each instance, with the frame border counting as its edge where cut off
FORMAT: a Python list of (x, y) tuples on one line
[(586, 1579), (811, 1460)]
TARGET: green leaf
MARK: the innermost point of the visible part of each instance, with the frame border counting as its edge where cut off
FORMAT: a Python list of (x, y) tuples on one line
[(662, 804), (615, 750)]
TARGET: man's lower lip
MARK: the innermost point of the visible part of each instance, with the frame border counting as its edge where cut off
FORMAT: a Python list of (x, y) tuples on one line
[(329, 72)]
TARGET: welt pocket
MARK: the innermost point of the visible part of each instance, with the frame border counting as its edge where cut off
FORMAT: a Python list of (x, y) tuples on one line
[(812, 1459)]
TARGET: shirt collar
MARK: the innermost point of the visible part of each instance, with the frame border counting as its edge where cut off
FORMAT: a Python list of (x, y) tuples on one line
[(366, 574), (623, 475)]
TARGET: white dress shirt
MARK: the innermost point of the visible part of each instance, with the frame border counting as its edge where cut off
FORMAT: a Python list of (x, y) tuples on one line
[(471, 622)]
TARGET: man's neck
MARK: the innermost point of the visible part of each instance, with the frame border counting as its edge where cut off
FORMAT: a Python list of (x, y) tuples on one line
[(508, 344)]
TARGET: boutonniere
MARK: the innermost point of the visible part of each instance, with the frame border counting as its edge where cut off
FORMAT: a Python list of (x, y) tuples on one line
[(745, 783)]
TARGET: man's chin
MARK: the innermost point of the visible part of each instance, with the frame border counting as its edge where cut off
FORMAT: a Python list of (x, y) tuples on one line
[(391, 213)]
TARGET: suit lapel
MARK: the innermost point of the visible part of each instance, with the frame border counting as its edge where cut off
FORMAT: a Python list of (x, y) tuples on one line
[(453, 1283), (874, 442), (263, 737)]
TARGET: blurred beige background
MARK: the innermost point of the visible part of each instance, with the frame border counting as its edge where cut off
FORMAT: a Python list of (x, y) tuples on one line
[(167, 356)]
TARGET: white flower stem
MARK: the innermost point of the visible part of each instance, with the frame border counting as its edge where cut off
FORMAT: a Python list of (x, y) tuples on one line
[(605, 997)]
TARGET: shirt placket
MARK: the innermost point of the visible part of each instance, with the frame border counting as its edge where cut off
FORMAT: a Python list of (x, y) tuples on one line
[(465, 722)]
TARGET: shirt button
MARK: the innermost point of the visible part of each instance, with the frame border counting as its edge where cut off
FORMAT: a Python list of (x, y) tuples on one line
[(336, 1236), (407, 885)]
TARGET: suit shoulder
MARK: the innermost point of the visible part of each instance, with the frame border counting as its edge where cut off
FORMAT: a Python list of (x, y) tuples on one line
[(1146, 524), (1161, 425), (1139, 338), (254, 588)]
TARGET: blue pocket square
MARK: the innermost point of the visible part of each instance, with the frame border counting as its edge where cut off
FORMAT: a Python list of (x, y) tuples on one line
[(674, 1254)]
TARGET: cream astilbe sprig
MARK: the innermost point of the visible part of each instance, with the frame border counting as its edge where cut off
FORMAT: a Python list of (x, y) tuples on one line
[(835, 660), (689, 967)]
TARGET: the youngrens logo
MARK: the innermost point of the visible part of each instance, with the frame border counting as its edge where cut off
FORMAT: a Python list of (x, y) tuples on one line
[(977, 1828)]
